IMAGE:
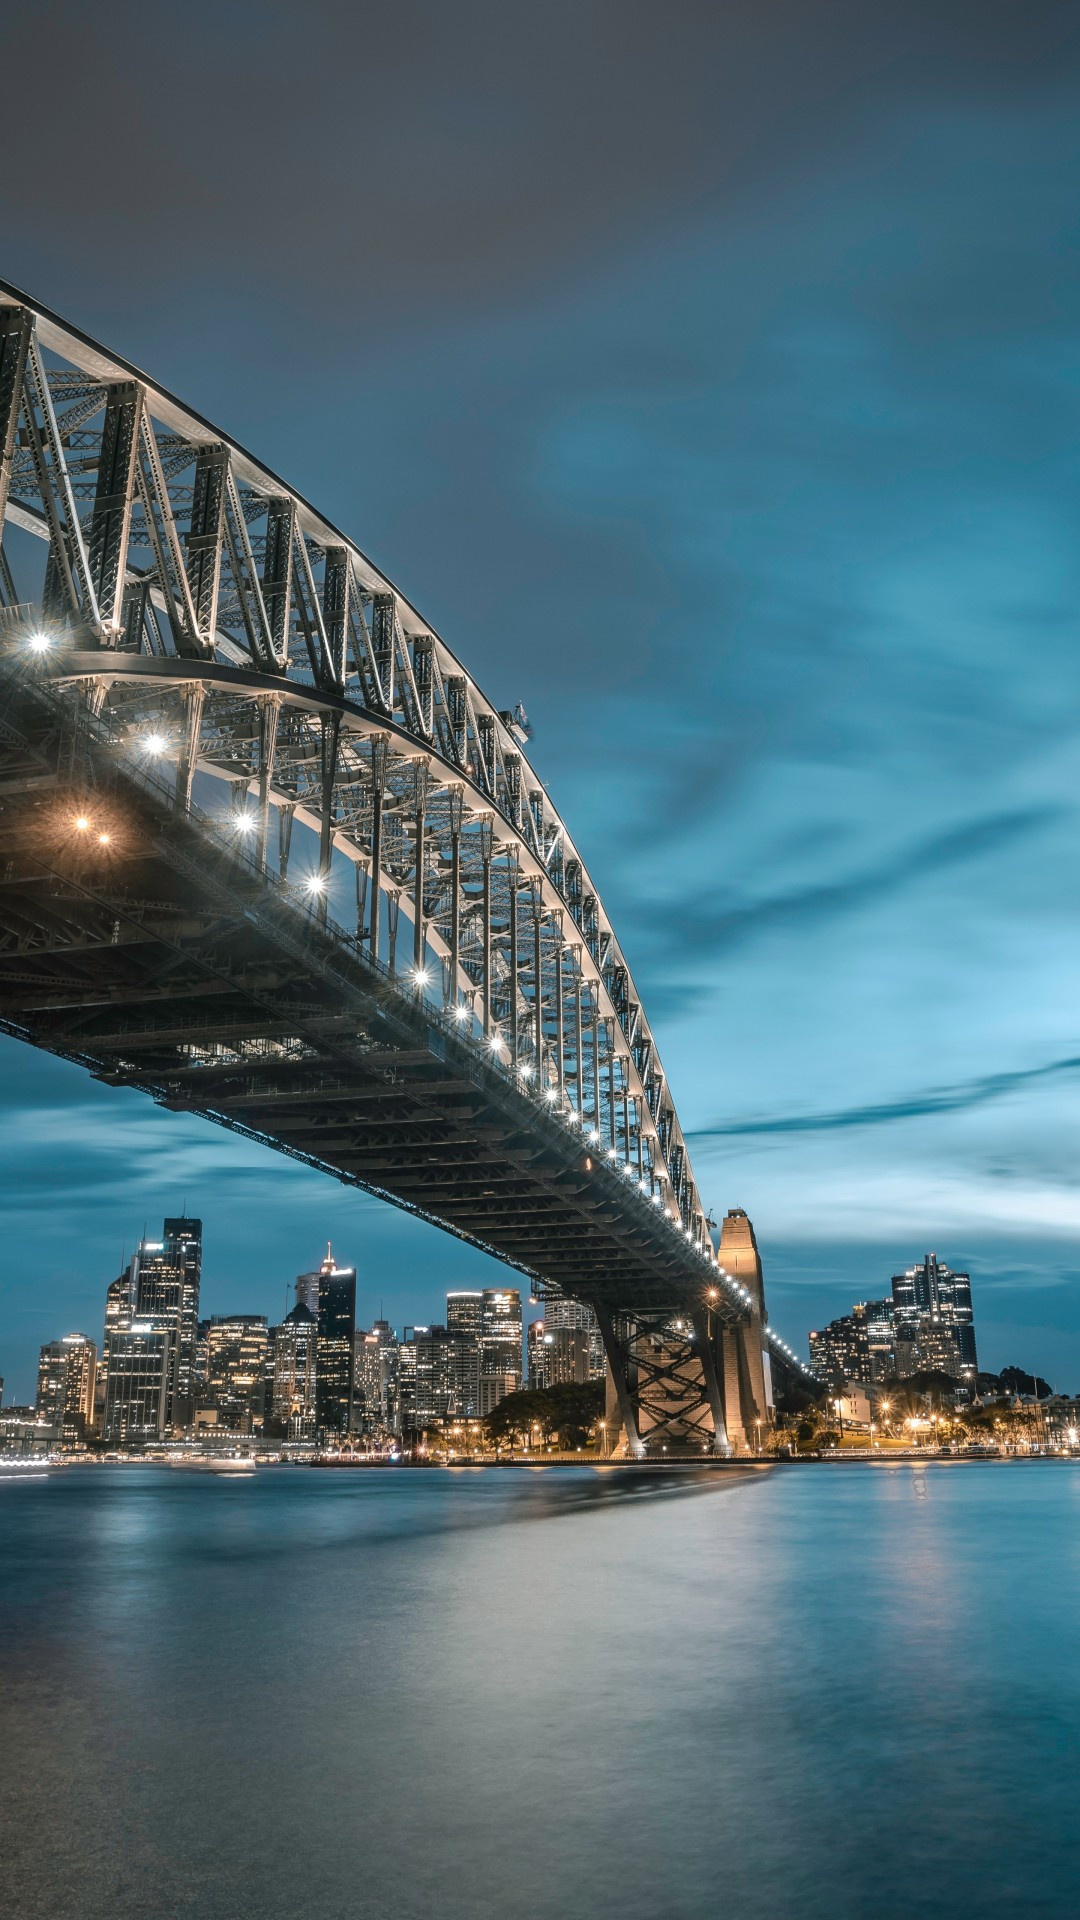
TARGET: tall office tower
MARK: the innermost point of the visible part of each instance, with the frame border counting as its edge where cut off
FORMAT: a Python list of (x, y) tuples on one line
[(500, 1346), (574, 1344), (140, 1383), (465, 1320), (168, 1272), (293, 1362), (235, 1383), (438, 1376), (375, 1397), (536, 1357), (67, 1375), (337, 1337), (933, 1316), (119, 1306)]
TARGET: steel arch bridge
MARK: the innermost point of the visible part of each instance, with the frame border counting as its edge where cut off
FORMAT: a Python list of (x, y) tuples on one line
[(220, 722)]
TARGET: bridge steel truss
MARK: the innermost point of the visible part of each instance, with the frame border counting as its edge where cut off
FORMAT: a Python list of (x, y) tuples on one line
[(204, 664)]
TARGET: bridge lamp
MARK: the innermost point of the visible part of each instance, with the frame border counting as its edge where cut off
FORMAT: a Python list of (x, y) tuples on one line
[(611, 1154), (103, 839), (461, 1012), (594, 1136), (421, 977), (628, 1169), (315, 883), (657, 1200), (154, 744), (39, 642), (243, 822), (551, 1094), (525, 1071), (81, 823)]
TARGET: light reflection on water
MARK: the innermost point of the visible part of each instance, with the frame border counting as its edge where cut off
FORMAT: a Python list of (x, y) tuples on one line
[(524, 1694)]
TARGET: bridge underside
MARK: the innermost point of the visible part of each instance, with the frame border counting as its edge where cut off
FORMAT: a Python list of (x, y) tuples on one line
[(163, 960)]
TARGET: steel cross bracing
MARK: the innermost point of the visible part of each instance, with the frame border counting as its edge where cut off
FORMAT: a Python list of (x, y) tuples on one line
[(204, 626)]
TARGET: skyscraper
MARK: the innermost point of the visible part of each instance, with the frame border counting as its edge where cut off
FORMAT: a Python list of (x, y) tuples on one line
[(235, 1384), (293, 1373), (500, 1345), (167, 1276), (573, 1344), (465, 1320), (933, 1303), (140, 1383), (119, 1306), (375, 1385), (337, 1345), (67, 1373), (927, 1326), (438, 1376)]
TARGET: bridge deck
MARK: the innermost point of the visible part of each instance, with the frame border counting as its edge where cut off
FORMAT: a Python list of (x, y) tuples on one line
[(166, 960)]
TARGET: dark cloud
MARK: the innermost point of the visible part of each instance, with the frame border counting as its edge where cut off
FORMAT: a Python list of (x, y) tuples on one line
[(935, 1100), (381, 159)]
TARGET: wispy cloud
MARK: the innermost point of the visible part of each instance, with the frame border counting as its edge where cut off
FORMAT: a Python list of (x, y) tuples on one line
[(935, 1100), (827, 900)]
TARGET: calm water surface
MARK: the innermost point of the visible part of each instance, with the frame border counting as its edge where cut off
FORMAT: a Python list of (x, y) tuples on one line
[(817, 1692)]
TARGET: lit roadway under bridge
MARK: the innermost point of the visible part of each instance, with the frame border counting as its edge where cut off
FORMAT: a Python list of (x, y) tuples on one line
[(222, 731)]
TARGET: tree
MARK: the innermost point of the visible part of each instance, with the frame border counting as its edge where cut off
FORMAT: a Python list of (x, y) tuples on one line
[(565, 1414)]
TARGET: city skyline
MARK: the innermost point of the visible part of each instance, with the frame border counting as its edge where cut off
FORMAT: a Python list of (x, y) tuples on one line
[(427, 1306)]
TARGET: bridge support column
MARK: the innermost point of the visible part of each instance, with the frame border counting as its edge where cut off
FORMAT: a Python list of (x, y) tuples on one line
[(618, 1386), (664, 1385), (705, 1341)]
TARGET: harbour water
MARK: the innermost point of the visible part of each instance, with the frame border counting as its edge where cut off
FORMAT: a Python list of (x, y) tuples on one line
[(817, 1691)]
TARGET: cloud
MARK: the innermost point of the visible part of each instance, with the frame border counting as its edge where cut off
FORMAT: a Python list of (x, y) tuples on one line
[(826, 901), (935, 1100)]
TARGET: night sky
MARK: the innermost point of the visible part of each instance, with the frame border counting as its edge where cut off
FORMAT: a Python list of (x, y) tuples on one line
[(708, 374)]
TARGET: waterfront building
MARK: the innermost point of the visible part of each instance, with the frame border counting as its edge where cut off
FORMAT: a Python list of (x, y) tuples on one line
[(119, 1307), (293, 1368), (501, 1356), (926, 1326), (67, 1376), (933, 1303), (440, 1376), (166, 1292), (465, 1319), (574, 1347), (234, 1384), (375, 1387), (336, 1342), (140, 1382)]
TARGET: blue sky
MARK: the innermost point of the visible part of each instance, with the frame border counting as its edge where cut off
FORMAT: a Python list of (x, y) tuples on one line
[(719, 401)]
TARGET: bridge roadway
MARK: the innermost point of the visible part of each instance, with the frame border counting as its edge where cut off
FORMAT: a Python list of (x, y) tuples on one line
[(169, 697)]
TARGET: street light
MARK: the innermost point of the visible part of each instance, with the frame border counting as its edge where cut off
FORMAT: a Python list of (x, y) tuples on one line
[(39, 642)]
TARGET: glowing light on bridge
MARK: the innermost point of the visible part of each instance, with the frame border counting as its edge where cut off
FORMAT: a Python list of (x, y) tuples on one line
[(154, 744), (39, 642)]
